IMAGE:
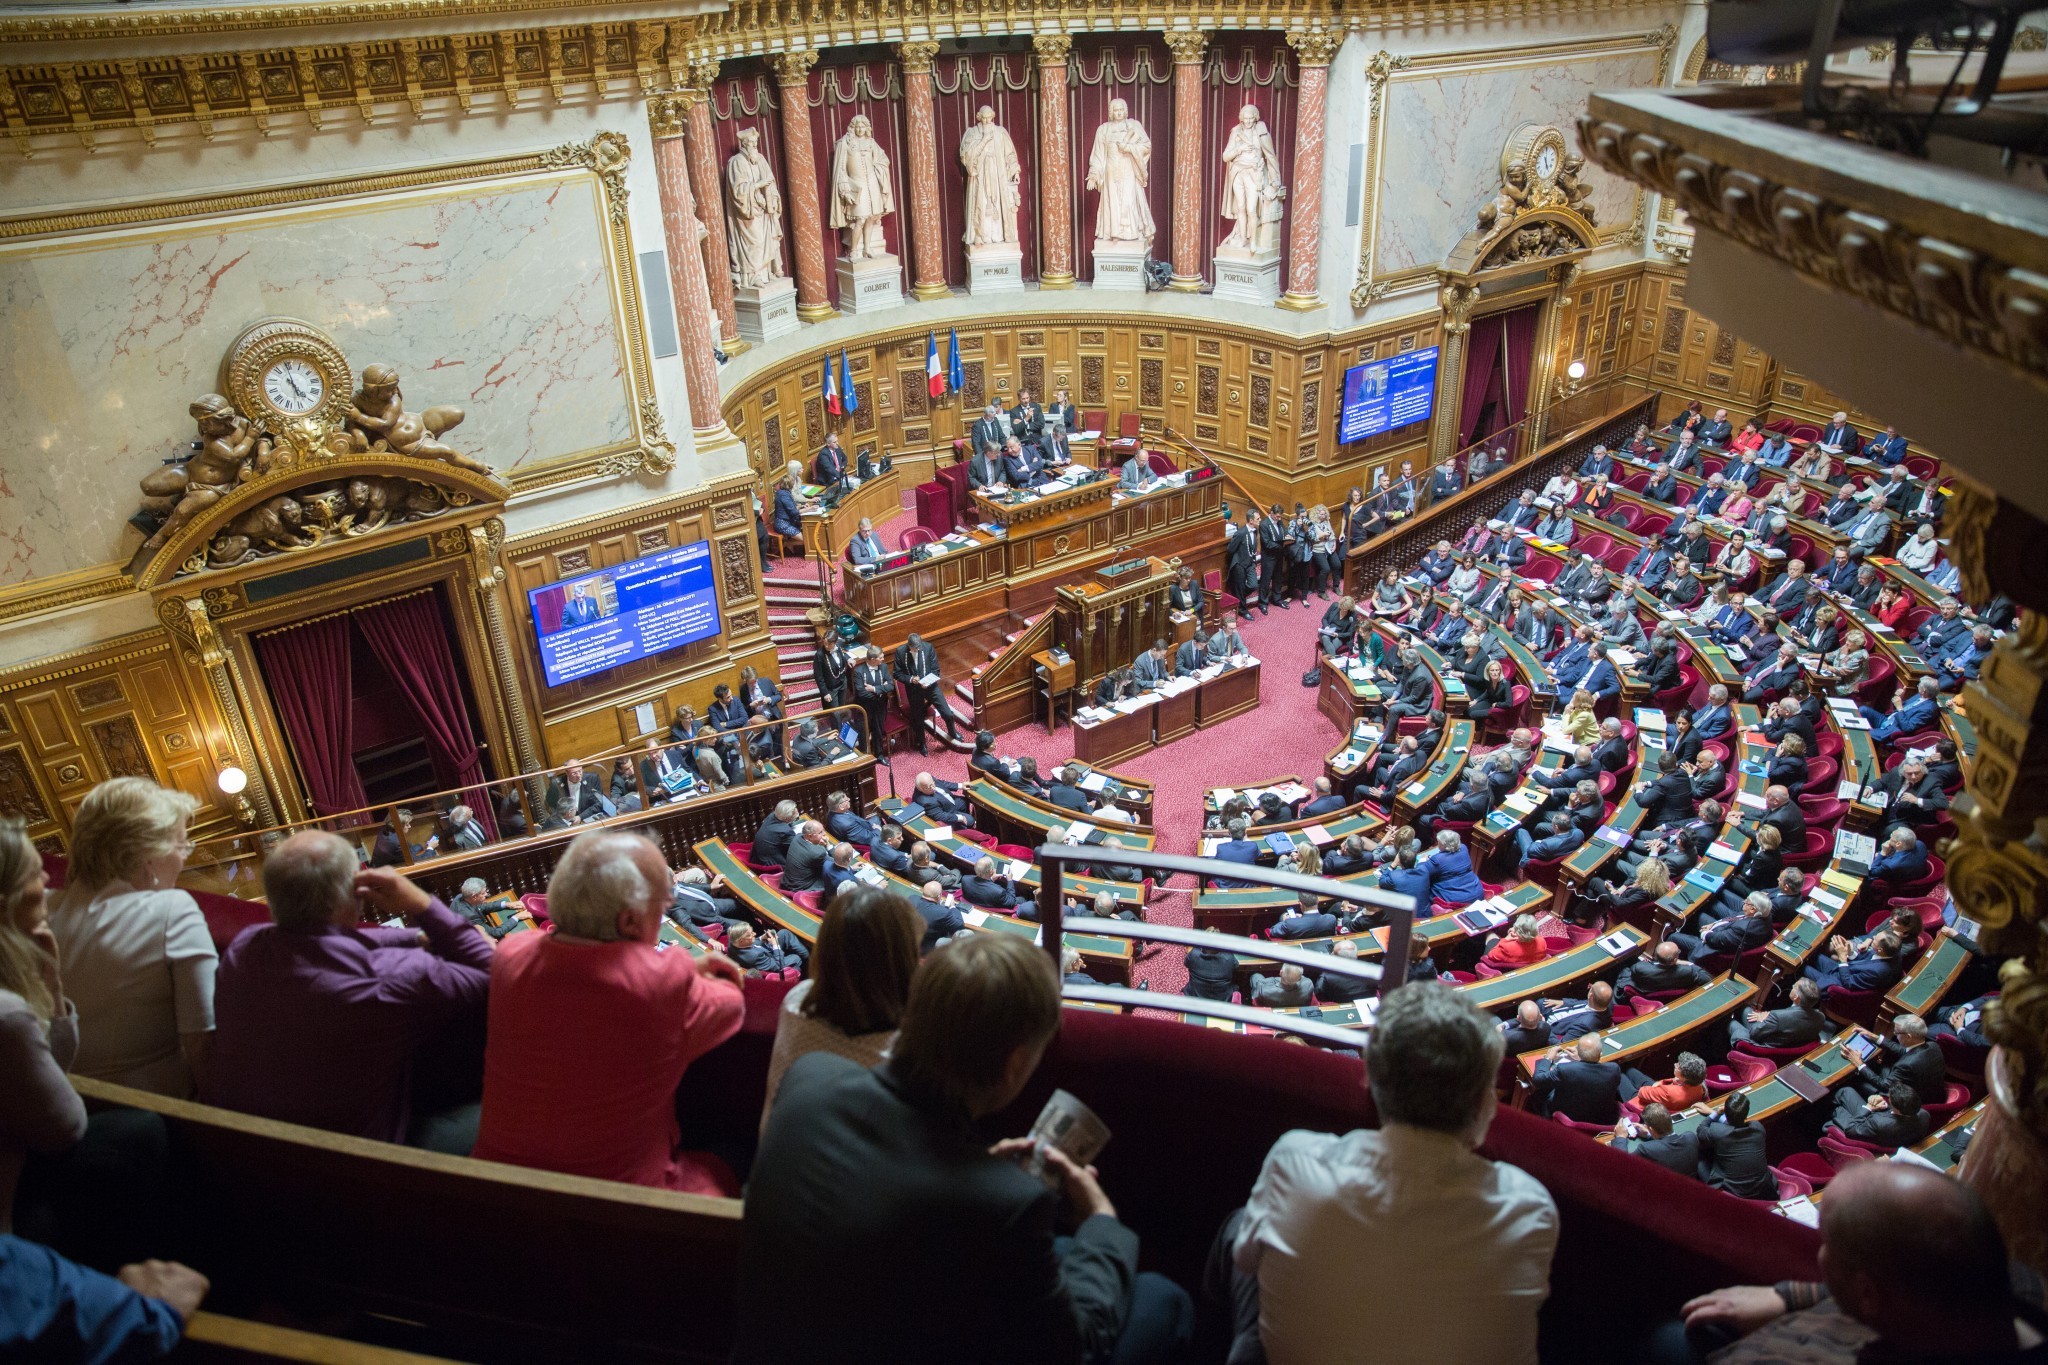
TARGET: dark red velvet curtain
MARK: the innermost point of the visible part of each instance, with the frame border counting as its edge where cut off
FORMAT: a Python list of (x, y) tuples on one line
[(962, 83), (838, 95), (1518, 348), (1137, 69), (410, 638), (1482, 380), (748, 98), (307, 670), (1244, 68)]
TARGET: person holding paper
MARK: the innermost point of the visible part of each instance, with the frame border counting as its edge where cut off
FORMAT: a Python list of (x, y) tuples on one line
[(987, 889), (872, 1187), (917, 668)]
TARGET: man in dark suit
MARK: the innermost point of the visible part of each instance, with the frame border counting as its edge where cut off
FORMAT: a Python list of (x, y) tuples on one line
[(1556, 835), (1022, 464), (1771, 674), (1781, 811), (1152, 667), (1527, 1031), (1893, 1119), (873, 1187), (584, 794), (1877, 969), (1909, 1057), (1712, 720), (1066, 792), (1574, 1082), (1787, 592), (1663, 484), (1305, 919), (866, 547), (1798, 1024), (1596, 1015), (694, 900), (1027, 419), (987, 889), (772, 839), (1325, 801), (1445, 482), (1404, 878), (1212, 973), (1901, 858), (989, 435), (890, 855), (917, 662), (1241, 558), (942, 802), (1612, 753), (830, 465), (1913, 796), (1732, 1154), (873, 690), (942, 920), (1664, 970), (1236, 849), (1193, 654), (804, 868), (1837, 436), (775, 950), (842, 821), (833, 672), (581, 609), (1651, 1137), (985, 467), (1668, 800)]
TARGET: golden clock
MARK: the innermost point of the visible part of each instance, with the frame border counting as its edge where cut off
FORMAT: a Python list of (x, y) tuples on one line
[(283, 372), (1541, 151)]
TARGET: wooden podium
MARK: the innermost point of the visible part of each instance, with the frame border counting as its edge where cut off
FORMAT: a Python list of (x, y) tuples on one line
[(1110, 619)]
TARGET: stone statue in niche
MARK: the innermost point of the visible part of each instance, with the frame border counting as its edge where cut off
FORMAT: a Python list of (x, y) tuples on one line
[(1252, 187), (377, 421), (754, 215), (993, 172), (229, 450), (1119, 168), (861, 194)]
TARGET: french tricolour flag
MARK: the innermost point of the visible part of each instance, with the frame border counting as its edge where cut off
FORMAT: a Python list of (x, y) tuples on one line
[(832, 404), (934, 375)]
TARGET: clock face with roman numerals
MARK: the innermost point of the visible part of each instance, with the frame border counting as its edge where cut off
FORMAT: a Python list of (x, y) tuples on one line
[(294, 386)]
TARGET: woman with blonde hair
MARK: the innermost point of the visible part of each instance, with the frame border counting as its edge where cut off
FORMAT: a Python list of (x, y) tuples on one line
[(1578, 719), (867, 951), (39, 1111), (136, 955), (1306, 859)]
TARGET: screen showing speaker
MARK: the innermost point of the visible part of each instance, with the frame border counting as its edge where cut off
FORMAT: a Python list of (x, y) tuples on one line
[(1381, 395), (610, 617)]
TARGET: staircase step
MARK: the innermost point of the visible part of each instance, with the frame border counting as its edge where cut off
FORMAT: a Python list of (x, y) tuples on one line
[(794, 582)]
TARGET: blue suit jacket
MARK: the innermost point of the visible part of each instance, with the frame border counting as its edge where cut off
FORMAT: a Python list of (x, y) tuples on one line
[(1902, 867), (1235, 851), (787, 519), (1570, 664), (1601, 680), (1885, 450), (1864, 974), (1711, 722), (1915, 716), (1322, 805), (1452, 880), (1407, 881)]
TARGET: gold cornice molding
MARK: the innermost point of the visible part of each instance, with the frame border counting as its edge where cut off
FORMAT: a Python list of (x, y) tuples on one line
[(126, 648), (60, 26), (58, 592), (1956, 254), (619, 519)]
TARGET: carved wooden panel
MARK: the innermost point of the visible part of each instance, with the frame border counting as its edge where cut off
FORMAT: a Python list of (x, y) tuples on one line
[(1151, 382), (121, 750), (1205, 390), (18, 795), (735, 569), (1699, 359), (1091, 380), (1208, 346), (864, 414), (652, 540), (1674, 331), (972, 392), (771, 436), (1311, 404), (912, 395), (1032, 368), (1262, 400), (99, 692)]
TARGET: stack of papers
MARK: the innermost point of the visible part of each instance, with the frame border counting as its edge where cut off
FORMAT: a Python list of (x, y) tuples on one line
[(1094, 782), (1319, 836)]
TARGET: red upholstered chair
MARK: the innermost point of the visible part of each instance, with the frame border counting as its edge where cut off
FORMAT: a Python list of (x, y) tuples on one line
[(1544, 569), (1808, 1166), (1127, 426), (227, 916), (813, 901), (975, 836), (1676, 694), (1960, 1059), (1915, 617), (1636, 482), (1951, 1104), (1212, 591), (1829, 742), (1922, 466), (535, 903), (1624, 514), (1716, 748), (1617, 558), (1841, 1151), (955, 479), (1928, 908), (1710, 465), (1160, 462), (1578, 934), (1790, 1184), (1652, 524), (1821, 773), (935, 508), (1596, 545), (1920, 886), (1775, 1056), (1800, 547), (1812, 854), (1851, 1007), (1015, 851), (1739, 1070), (1589, 1129), (914, 536)]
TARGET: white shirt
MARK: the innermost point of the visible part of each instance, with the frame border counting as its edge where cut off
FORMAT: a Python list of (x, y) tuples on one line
[(1919, 555), (139, 966), (1401, 1238)]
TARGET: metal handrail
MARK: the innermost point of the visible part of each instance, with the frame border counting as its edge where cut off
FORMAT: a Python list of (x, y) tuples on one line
[(1355, 1038), (1230, 943), (1052, 858)]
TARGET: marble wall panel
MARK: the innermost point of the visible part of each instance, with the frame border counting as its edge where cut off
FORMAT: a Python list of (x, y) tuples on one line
[(1444, 134), (497, 298)]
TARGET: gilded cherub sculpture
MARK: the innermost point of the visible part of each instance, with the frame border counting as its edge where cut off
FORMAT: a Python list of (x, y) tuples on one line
[(1577, 194), (377, 420), (230, 449)]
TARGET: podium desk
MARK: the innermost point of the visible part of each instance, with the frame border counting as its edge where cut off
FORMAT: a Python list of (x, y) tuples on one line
[(1231, 693), (1109, 741)]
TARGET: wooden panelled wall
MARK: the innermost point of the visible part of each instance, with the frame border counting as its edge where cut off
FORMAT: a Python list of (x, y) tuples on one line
[(128, 708), (598, 713), (1266, 405), (1597, 324), (1694, 357)]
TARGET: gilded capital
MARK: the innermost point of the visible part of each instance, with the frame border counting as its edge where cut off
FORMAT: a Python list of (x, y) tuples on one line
[(1314, 47), (665, 114), (793, 68), (917, 56), (1457, 301), (1052, 47), (1187, 48), (703, 72)]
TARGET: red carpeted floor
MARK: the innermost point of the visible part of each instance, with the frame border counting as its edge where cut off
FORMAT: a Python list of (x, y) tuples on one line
[(1285, 734)]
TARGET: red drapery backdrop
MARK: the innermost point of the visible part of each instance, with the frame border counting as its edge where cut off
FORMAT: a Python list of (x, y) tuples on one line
[(838, 95), (1244, 68), (962, 83), (748, 98), (1137, 69), (307, 669), (1500, 352), (410, 638), (1518, 349)]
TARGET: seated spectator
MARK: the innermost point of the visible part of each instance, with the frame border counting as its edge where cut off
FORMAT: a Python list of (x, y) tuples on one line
[(925, 867), (943, 802), (842, 821), (1573, 1081), (1527, 1031), (1665, 970), (319, 1018), (1684, 1088), (1912, 1258), (839, 869), (1799, 1024), (1732, 1152), (1873, 969), (1893, 1119), (1732, 936), (1595, 1015), (804, 867), (765, 952), (1236, 849), (1212, 973), (1451, 878), (591, 1028), (866, 953), (772, 839), (1291, 989), (57, 1310), (872, 1186), (989, 889), (1651, 1137), (138, 961), (1306, 918), (1341, 988), (1400, 1235), (1908, 1056), (1520, 946)]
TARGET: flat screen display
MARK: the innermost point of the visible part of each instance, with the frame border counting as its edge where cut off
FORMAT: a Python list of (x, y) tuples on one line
[(600, 620), (1381, 395)]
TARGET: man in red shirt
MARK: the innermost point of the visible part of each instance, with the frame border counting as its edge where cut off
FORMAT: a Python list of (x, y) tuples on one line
[(592, 1027)]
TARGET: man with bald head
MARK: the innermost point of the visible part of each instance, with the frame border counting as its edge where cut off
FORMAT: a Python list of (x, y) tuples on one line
[(1913, 1269), (317, 1018)]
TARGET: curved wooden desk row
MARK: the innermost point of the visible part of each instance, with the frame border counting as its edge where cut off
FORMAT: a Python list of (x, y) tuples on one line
[(1002, 803), (963, 854), (1106, 957)]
